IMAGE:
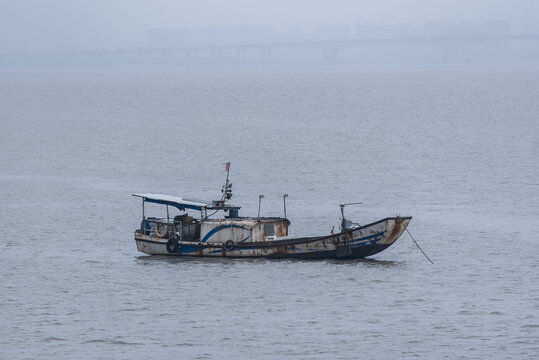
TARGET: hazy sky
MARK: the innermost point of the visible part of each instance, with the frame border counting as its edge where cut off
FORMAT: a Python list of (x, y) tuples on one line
[(49, 25)]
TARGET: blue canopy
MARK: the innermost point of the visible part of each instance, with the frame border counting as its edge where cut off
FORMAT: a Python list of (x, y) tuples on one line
[(183, 204)]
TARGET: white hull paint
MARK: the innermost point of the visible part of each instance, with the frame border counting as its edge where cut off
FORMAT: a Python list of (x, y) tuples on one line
[(354, 243)]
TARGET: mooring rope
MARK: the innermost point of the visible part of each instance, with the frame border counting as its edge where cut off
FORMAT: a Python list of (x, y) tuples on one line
[(419, 247)]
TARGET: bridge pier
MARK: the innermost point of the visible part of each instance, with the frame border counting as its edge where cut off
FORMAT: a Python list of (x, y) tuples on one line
[(265, 52)]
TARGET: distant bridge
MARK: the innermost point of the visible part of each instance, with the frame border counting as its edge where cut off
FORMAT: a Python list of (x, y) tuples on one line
[(328, 51)]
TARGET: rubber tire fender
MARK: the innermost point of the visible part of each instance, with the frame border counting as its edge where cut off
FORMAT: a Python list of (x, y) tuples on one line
[(172, 246), (229, 245)]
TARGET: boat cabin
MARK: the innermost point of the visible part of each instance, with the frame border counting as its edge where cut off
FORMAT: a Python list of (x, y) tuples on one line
[(231, 229)]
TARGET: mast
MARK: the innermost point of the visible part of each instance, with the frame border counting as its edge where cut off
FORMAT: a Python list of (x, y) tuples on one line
[(227, 188)]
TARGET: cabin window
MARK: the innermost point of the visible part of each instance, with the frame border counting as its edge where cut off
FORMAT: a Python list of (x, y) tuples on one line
[(269, 230)]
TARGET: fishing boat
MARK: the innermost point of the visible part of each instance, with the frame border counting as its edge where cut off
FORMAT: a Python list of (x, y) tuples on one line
[(232, 235)]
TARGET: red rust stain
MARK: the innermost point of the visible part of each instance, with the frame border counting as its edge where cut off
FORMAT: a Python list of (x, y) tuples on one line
[(397, 229)]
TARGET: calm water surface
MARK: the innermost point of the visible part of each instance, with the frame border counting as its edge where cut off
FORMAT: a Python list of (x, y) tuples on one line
[(456, 149)]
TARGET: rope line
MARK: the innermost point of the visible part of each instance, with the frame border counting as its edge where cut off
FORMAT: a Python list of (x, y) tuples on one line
[(419, 247)]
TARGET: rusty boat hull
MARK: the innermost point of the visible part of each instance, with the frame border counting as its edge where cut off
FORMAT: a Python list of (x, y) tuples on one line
[(357, 242)]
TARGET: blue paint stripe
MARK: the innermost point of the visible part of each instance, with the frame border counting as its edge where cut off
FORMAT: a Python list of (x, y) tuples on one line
[(186, 249), (222, 227), (364, 241), (353, 243), (368, 237)]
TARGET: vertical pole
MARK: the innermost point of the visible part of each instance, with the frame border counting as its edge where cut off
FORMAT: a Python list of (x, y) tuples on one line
[(284, 204), (343, 221), (225, 188), (259, 201), (168, 218), (143, 226)]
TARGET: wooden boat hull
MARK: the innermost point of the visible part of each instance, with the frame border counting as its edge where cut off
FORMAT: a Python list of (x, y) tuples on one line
[(358, 242)]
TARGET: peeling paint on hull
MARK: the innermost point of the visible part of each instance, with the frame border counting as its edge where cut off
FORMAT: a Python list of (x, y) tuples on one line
[(359, 242)]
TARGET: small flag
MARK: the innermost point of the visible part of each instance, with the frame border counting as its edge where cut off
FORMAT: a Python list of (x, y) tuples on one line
[(228, 166)]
